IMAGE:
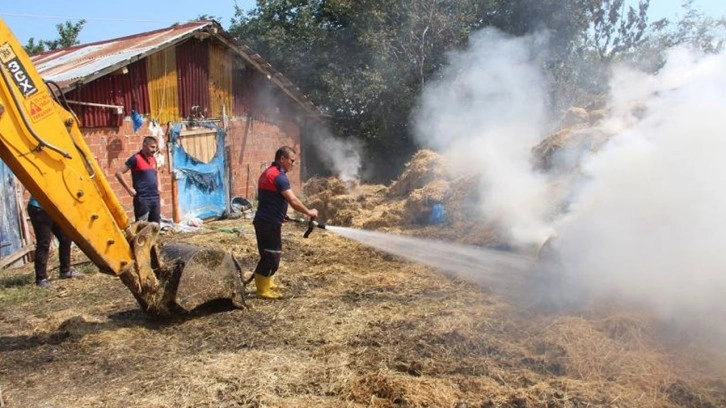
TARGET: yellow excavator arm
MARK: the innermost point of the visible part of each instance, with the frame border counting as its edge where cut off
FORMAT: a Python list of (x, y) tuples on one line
[(41, 142)]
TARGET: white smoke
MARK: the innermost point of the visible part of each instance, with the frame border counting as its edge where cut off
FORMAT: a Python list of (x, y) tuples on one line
[(648, 222), (340, 156), (647, 219), (485, 114)]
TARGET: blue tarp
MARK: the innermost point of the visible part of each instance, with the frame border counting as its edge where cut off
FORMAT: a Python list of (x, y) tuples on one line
[(200, 186), (10, 236)]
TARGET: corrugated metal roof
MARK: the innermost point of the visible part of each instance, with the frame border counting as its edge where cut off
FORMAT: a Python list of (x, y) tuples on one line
[(79, 68), (72, 67)]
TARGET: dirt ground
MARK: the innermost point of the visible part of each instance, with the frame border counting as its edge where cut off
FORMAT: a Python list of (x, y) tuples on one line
[(358, 328)]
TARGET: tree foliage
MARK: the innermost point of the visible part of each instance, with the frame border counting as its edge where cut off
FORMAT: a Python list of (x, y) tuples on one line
[(67, 37), (34, 48), (365, 62), (615, 29), (696, 30)]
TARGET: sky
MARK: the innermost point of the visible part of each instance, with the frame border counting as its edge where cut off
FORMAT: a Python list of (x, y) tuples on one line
[(109, 19), (112, 19)]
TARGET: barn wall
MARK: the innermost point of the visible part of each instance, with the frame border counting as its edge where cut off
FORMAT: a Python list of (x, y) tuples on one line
[(163, 86), (251, 144), (113, 146), (260, 118), (251, 148), (220, 82), (192, 61), (128, 90)]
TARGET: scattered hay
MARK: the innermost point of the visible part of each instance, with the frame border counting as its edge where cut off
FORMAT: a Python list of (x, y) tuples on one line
[(425, 167), (390, 389), (587, 353), (358, 327)]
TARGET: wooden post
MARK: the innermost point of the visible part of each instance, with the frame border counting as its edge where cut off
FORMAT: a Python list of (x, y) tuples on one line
[(23, 217), (247, 184), (16, 256), (174, 193)]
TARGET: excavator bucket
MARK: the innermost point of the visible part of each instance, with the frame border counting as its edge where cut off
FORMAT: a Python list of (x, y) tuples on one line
[(202, 275)]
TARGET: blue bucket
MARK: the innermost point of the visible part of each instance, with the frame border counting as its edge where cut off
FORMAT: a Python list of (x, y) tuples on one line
[(437, 214)]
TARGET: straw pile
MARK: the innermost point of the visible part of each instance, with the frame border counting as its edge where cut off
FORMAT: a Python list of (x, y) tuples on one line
[(358, 328)]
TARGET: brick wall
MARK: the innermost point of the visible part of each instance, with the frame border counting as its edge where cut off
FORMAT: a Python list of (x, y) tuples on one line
[(251, 144), (112, 147)]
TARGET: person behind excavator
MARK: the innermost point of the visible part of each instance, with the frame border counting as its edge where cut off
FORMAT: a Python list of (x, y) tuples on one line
[(274, 194), (145, 179), (45, 228)]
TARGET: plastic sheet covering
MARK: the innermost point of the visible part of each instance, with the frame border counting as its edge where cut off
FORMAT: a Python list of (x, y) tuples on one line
[(200, 185)]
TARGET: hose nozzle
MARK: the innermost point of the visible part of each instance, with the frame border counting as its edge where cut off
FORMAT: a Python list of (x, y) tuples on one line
[(311, 225)]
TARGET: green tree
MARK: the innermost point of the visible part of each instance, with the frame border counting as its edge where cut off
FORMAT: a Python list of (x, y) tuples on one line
[(67, 37), (615, 29), (206, 17), (697, 30), (365, 62), (31, 47)]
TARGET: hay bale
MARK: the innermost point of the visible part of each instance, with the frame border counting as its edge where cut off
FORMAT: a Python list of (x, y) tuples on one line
[(544, 151), (597, 115), (335, 209), (417, 208), (461, 200), (575, 140), (424, 167), (340, 202), (575, 117), (479, 233), (386, 215), (330, 185)]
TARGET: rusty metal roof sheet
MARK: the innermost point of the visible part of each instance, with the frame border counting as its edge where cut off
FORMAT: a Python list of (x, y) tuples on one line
[(75, 66)]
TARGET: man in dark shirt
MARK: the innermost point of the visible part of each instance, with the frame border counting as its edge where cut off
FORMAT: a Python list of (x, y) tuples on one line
[(45, 228), (145, 179), (274, 194)]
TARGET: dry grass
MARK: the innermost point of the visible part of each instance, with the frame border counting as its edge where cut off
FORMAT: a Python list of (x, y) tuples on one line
[(358, 328)]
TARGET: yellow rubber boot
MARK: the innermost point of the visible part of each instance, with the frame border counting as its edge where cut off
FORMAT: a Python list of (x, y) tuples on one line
[(275, 285), (263, 287)]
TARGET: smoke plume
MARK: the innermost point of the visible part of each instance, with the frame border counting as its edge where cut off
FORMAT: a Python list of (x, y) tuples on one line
[(342, 157), (643, 219), (647, 222), (485, 115)]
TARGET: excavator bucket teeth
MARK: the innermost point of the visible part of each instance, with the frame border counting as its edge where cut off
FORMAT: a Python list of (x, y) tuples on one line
[(202, 275)]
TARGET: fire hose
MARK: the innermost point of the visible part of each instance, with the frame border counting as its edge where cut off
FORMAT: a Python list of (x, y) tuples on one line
[(312, 224)]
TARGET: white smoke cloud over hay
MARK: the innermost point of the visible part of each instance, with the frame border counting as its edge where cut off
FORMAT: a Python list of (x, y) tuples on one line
[(646, 219), (485, 114), (340, 156), (648, 222)]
